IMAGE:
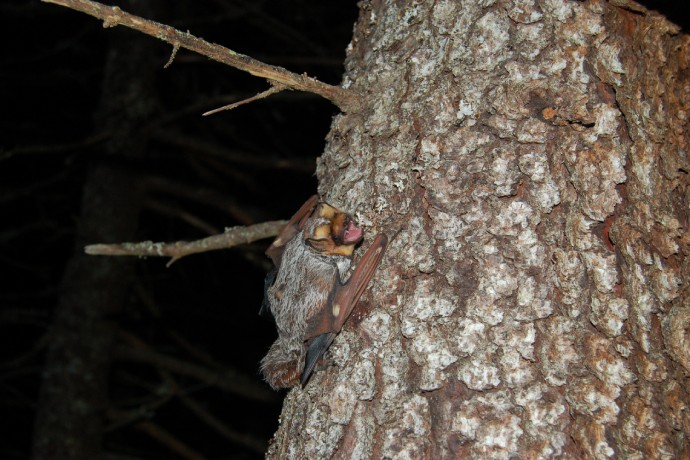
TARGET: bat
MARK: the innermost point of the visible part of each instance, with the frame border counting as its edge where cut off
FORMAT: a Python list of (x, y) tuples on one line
[(310, 293)]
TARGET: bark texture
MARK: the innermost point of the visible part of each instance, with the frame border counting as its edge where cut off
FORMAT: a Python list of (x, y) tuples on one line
[(533, 155)]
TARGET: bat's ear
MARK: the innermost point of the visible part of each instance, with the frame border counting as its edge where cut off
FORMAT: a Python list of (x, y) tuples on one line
[(293, 227)]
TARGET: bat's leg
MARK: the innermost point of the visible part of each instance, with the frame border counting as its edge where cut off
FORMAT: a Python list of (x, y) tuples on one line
[(293, 227), (345, 297), (280, 365)]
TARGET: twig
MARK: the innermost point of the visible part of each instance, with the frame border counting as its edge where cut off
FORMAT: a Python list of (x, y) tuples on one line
[(167, 439), (228, 380), (197, 146), (121, 418), (195, 352), (171, 388), (178, 212), (272, 90), (28, 356), (200, 195), (176, 48), (113, 16), (233, 236), (55, 148), (245, 439)]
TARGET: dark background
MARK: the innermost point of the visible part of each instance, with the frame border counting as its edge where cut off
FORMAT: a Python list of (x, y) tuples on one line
[(249, 165)]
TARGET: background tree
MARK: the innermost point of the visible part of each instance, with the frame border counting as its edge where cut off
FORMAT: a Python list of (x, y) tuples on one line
[(531, 159)]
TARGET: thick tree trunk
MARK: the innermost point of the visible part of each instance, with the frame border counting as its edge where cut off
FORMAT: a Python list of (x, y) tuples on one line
[(535, 303), (74, 391)]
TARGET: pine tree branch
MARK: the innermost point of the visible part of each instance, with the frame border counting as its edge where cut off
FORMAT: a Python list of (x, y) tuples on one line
[(233, 236), (278, 76)]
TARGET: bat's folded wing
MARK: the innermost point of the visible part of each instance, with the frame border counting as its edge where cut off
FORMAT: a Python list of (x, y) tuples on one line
[(324, 324), (317, 348)]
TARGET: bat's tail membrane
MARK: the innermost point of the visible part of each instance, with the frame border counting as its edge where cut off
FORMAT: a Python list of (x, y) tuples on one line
[(317, 348)]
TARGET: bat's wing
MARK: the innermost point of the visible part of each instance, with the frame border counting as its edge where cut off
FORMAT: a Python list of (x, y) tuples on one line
[(345, 297), (317, 348), (265, 309), (293, 227), (323, 326)]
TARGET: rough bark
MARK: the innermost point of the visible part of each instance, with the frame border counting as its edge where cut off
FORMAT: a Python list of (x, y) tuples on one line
[(74, 390), (535, 303)]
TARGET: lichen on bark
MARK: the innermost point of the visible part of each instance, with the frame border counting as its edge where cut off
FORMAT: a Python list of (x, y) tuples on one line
[(534, 302)]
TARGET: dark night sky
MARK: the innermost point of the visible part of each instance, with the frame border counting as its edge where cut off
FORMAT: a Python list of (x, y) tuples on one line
[(258, 159)]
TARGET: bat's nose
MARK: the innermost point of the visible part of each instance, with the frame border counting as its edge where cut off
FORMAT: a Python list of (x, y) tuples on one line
[(352, 233)]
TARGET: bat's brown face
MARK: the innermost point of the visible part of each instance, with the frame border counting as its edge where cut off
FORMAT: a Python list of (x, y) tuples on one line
[(333, 232)]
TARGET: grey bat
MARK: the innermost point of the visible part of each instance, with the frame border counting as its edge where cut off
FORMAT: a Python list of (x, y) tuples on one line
[(309, 292)]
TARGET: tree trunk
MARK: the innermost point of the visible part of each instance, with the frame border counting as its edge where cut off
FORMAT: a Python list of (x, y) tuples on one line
[(74, 391), (533, 157)]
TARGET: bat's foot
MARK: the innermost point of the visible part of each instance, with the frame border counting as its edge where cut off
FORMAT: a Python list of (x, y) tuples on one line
[(281, 368), (283, 375)]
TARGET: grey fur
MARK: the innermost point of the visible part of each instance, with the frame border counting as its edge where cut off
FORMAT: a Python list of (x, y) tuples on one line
[(302, 287)]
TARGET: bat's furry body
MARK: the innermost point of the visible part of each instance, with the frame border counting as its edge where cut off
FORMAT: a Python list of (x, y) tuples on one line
[(303, 284), (311, 295)]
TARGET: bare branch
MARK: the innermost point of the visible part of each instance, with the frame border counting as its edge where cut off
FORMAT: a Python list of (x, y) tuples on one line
[(245, 439), (171, 388), (197, 146), (227, 379), (200, 195), (233, 236), (176, 48), (272, 90), (178, 212), (168, 439), (55, 148), (113, 16)]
